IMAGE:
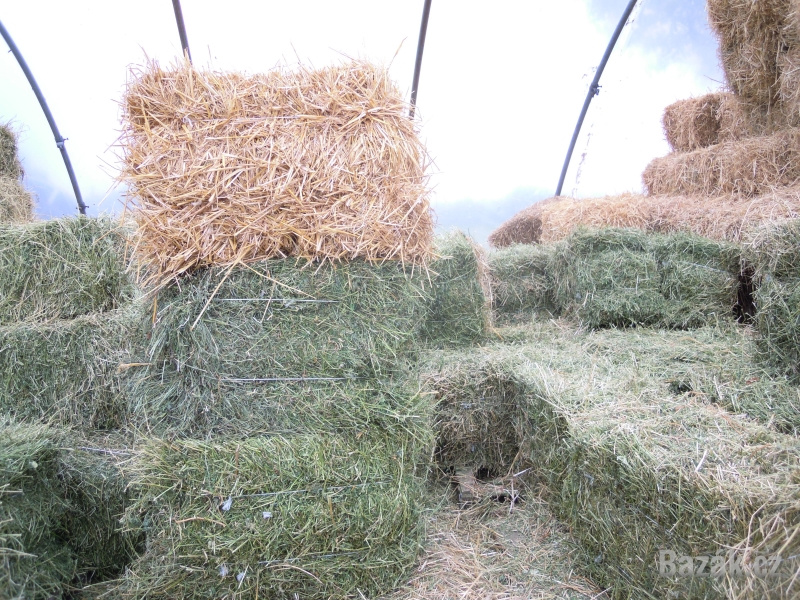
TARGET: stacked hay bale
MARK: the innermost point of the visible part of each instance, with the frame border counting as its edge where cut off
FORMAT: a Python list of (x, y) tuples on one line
[(633, 464), (67, 321), (620, 277), (61, 500), (16, 203), (284, 221), (773, 252)]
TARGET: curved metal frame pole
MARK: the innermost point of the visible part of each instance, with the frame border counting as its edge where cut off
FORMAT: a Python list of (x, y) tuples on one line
[(594, 89), (48, 115), (423, 30), (176, 5)]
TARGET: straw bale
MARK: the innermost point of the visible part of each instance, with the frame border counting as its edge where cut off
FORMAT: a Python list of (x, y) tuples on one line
[(789, 89), (633, 464), (523, 228), (68, 372), (751, 36), (224, 168), (10, 166), (315, 516), (272, 331), (693, 123), (16, 203), (734, 119), (460, 304), (748, 167), (62, 268)]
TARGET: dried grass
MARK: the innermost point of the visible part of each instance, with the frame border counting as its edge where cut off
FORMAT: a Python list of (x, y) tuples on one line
[(727, 218), (751, 37), (517, 552), (16, 203), (748, 167), (225, 168), (9, 160), (692, 123)]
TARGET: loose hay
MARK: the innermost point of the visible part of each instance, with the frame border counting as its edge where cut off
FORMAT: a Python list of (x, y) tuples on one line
[(225, 169), (62, 268), (633, 468), (748, 167), (16, 203), (319, 516)]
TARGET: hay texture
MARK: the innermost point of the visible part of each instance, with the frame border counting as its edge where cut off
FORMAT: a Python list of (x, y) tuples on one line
[(461, 296), (635, 465), (722, 218), (10, 166), (271, 330), (752, 36), (319, 516), (16, 203), (70, 372), (62, 496), (704, 121), (61, 269), (773, 252), (620, 278), (747, 167), (224, 168)]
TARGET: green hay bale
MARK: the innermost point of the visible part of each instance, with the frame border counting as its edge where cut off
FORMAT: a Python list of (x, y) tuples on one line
[(778, 322), (90, 470), (459, 312), (478, 419), (16, 203), (522, 280), (319, 516), (633, 469), (61, 269), (9, 160), (621, 278), (34, 561), (69, 372), (324, 335), (774, 250)]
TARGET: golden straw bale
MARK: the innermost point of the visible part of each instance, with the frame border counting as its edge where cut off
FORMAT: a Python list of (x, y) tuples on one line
[(16, 203), (751, 35), (748, 167), (720, 218), (523, 228), (692, 123), (225, 168), (789, 89), (734, 122)]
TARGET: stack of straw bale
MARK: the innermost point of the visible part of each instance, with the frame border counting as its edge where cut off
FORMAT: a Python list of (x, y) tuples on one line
[(16, 203), (722, 218), (619, 277), (61, 502), (634, 464), (774, 253), (224, 168)]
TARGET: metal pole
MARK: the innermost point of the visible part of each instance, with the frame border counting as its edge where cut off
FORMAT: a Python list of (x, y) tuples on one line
[(423, 30), (59, 140), (176, 5), (594, 89)]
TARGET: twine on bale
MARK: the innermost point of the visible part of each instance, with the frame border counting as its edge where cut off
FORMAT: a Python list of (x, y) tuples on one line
[(224, 168)]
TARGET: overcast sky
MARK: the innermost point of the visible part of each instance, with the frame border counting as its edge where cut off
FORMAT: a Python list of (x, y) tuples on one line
[(502, 84)]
